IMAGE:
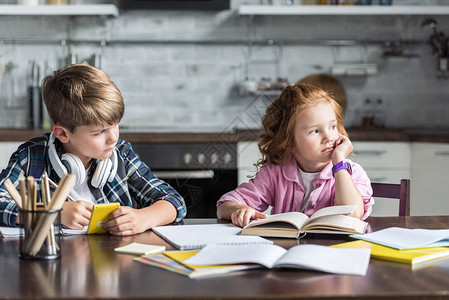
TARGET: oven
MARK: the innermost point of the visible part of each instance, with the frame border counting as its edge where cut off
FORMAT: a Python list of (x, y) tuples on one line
[(200, 172)]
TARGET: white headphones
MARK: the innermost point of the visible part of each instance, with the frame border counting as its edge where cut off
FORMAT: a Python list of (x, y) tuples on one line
[(71, 164)]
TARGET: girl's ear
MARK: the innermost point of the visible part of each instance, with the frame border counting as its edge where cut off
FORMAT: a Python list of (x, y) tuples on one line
[(61, 133)]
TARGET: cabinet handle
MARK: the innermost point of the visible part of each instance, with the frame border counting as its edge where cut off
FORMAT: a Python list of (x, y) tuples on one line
[(378, 179), (206, 174), (442, 153), (369, 152)]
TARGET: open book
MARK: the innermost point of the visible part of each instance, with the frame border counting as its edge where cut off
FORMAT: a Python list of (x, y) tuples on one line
[(311, 257), (330, 219)]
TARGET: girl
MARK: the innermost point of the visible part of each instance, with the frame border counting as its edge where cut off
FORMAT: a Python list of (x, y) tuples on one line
[(303, 168)]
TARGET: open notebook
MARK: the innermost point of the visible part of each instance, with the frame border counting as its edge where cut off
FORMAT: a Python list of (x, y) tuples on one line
[(188, 237)]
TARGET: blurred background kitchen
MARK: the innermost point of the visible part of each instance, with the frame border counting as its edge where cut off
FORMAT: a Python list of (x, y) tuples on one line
[(204, 71)]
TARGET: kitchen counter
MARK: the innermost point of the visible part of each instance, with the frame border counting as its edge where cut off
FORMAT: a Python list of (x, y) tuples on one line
[(356, 134)]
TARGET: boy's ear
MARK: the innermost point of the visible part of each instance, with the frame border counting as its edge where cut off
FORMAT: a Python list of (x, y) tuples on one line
[(61, 133)]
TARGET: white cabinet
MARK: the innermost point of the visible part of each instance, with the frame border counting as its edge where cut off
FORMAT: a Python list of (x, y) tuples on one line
[(6, 149), (429, 189), (247, 155), (384, 162)]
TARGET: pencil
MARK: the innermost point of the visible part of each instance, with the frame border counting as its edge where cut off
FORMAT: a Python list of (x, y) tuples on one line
[(13, 192), (45, 188), (23, 193), (56, 186)]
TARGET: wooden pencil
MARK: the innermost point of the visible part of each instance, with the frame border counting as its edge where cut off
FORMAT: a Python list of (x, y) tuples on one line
[(56, 186), (45, 188), (13, 192)]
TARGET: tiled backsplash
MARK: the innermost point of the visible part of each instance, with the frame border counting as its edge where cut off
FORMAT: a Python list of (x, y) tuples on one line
[(181, 70)]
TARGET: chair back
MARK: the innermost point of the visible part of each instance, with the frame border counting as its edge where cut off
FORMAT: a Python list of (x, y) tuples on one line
[(395, 191)]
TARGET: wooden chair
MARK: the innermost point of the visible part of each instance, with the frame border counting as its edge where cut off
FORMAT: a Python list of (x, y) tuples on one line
[(395, 191)]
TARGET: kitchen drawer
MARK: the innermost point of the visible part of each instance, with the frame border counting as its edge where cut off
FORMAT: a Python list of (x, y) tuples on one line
[(382, 154), (381, 175)]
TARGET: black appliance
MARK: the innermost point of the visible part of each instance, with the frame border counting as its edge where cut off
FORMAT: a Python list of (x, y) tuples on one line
[(200, 172), (175, 4)]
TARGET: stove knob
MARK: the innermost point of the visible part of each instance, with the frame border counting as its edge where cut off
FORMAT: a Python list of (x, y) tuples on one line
[(201, 158), (214, 158), (227, 158), (188, 158)]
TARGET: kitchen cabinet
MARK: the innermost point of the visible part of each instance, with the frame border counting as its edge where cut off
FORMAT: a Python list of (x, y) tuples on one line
[(384, 162), (405, 10), (247, 155), (429, 190), (6, 149)]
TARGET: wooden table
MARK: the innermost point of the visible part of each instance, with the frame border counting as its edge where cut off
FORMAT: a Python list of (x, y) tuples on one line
[(89, 268)]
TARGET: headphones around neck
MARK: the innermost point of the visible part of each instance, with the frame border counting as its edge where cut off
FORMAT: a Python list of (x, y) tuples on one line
[(71, 164)]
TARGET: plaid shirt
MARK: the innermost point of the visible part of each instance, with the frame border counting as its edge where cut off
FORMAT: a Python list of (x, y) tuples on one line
[(134, 184)]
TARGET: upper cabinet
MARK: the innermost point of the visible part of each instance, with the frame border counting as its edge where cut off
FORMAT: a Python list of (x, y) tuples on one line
[(60, 10), (343, 10)]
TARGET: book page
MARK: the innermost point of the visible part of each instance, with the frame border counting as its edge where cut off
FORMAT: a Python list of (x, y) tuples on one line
[(265, 255), (296, 219), (327, 259), (333, 210), (336, 222)]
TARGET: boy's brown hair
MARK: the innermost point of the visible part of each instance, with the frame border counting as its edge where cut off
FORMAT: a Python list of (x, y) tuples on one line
[(276, 140), (80, 94)]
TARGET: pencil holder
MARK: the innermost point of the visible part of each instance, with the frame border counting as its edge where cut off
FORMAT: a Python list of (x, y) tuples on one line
[(41, 238)]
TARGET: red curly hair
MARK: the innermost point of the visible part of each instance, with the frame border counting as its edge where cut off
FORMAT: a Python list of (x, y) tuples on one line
[(276, 141)]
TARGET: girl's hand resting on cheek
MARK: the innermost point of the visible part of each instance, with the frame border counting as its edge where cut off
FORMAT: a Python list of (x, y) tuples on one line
[(343, 147), (242, 216)]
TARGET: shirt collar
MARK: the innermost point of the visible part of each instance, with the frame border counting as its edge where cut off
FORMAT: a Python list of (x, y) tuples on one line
[(290, 171)]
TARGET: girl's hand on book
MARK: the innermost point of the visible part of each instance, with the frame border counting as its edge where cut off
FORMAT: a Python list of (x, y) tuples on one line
[(242, 216)]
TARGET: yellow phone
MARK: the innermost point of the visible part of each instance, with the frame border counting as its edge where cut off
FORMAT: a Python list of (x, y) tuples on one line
[(100, 214)]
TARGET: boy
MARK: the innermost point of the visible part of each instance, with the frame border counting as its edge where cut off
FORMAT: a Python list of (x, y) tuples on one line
[(85, 108)]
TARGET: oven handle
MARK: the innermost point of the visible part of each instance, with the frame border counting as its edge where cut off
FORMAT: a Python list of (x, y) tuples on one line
[(203, 174)]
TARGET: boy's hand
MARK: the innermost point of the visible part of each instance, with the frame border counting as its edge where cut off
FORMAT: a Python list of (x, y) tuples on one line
[(76, 214), (242, 216), (343, 147), (126, 220)]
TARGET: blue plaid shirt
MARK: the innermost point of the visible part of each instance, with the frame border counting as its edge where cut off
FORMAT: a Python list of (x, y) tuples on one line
[(134, 184)]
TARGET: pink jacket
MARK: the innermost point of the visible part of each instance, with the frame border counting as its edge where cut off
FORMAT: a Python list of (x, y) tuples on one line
[(278, 186)]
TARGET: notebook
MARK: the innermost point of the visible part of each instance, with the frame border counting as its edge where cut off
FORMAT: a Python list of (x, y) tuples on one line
[(11, 231), (189, 237), (404, 238)]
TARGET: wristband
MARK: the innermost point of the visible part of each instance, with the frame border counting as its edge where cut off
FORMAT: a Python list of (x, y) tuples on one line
[(340, 166)]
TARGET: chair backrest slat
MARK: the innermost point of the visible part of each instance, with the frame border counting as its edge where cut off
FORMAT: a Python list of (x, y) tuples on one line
[(395, 191)]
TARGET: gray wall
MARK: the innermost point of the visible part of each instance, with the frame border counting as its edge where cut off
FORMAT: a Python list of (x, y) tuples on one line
[(181, 70)]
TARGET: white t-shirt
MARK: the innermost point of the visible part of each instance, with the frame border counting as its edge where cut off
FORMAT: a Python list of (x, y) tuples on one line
[(306, 180), (82, 192)]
